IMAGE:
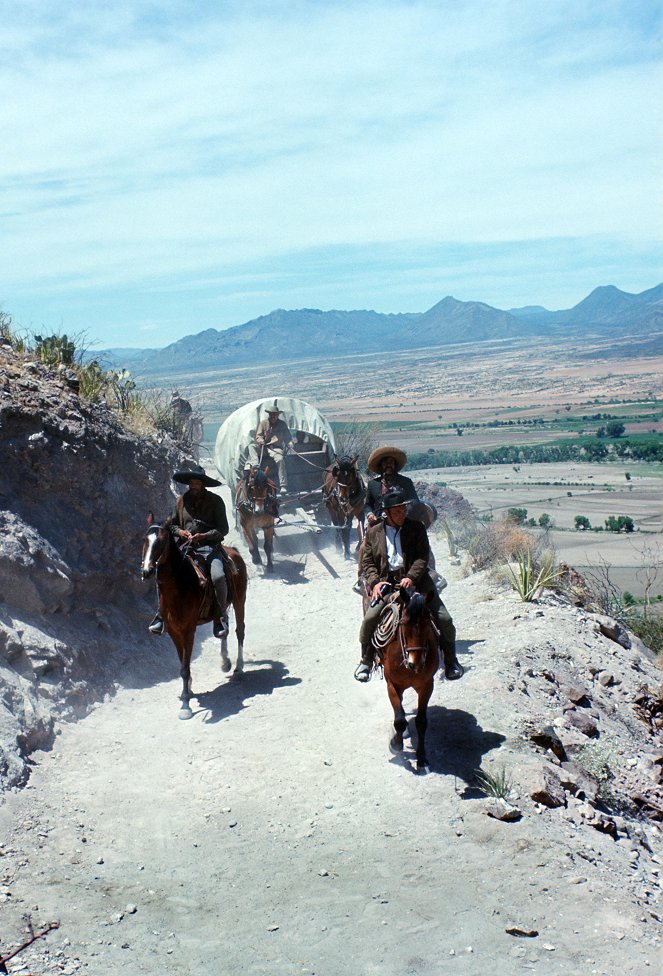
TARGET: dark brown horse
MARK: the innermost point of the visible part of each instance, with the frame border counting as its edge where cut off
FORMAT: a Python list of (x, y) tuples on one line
[(184, 603), (344, 494), (255, 500), (407, 645)]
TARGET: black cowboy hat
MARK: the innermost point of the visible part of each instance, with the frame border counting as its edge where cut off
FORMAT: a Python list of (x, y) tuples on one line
[(195, 471), (392, 498)]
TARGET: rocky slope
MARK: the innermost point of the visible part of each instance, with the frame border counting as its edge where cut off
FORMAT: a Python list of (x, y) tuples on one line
[(75, 487)]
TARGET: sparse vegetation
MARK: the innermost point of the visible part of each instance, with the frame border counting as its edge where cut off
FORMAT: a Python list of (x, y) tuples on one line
[(142, 412), (498, 784), (357, 438)]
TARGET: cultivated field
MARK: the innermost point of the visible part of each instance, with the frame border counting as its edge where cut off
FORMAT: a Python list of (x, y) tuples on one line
[(564, 491)]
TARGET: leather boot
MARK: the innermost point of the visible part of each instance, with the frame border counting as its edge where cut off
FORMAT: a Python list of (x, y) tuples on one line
[(221, 621), (453, 669), (363, 669)]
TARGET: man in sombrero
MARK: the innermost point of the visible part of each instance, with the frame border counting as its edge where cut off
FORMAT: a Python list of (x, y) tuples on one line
[(273, 439), (386, 463), (200, 521)]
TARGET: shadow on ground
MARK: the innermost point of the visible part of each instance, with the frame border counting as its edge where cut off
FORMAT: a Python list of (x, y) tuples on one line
[(232, 696), (456, 745)]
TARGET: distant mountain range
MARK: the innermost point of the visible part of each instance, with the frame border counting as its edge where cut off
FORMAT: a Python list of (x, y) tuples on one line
[(310, 333)]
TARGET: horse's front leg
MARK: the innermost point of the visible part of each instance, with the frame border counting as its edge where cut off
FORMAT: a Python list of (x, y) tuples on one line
[(252, 542), (421, 723), (269, 548), (400, 722), (345, 536), (185, 674), (225, 660)]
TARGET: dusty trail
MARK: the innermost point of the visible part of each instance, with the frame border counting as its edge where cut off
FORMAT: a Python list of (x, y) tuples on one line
[(273, 833)]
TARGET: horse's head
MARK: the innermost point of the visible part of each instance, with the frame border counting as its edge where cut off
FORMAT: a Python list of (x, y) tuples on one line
[(155, 546), (417, 633), (258, 488)]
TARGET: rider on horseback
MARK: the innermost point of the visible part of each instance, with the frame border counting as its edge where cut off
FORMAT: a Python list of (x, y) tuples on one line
[(396, 555), (200, 521)]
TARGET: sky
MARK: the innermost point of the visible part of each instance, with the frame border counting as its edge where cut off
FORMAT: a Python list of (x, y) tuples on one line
[(177, 166)]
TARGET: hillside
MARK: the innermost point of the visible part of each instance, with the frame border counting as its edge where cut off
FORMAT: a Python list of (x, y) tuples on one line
[(75, 488), (275, 829), (311, 333)]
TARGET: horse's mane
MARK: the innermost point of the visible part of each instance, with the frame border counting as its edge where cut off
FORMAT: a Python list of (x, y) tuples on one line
[(182, 570), (415, 607)]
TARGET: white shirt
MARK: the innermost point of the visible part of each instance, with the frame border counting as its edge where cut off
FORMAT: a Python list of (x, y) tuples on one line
[(394, 548)]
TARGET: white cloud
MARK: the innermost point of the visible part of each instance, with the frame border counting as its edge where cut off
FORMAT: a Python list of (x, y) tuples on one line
[(143, 142)]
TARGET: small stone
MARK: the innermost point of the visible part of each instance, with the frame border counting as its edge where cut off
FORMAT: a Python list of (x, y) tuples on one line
[(272, 928), (499, 809), (521, 932), (100, 860), (233, 823), (323, 873), (131, 909), (577, 879)]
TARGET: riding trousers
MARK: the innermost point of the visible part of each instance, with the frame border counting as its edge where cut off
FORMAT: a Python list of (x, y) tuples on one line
[(217, 573), (276, 455)]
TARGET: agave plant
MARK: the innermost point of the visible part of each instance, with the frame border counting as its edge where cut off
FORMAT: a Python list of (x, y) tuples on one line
[(527, 579), (497, 784)]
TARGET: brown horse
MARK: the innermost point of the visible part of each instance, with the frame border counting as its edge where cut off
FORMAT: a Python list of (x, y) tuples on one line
[(344, 494), (184, 603), (406, 641), (255, 500)]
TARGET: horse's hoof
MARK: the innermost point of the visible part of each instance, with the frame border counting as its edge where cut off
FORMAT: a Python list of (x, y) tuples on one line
[(237, 674), (396, 744), (184, 714), (256, 560), (423, 768), (226, 666), (269, 568)]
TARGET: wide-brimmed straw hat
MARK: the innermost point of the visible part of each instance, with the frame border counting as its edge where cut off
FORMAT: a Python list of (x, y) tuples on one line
[(380, 453), (273, 408), (195, 471)]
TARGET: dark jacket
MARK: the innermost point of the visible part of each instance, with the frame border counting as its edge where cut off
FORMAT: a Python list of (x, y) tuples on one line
[(205, 513), (375, 491), (416, 552)]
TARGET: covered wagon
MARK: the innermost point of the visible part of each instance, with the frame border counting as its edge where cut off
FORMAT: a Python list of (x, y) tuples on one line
[(312, 435)]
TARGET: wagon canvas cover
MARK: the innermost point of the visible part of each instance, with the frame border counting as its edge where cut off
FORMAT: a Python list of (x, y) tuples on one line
[(237, 431)]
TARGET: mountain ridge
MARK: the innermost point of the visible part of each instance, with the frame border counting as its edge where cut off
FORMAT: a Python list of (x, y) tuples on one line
[(296, 334)]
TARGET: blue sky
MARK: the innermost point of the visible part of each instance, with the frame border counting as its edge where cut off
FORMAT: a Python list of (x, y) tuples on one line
[(170, 167)]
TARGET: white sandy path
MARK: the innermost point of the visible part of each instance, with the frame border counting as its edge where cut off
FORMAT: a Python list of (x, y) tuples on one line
[(272, 834)]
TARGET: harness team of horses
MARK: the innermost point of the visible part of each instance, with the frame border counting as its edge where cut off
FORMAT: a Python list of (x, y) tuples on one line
[(405, 643)]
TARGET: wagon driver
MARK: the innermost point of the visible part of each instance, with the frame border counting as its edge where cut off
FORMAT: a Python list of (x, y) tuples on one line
[(396, 554), (200, 521), (273, 438)]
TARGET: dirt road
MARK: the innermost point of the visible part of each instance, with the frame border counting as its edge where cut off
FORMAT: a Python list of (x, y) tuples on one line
[(274, 833)]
